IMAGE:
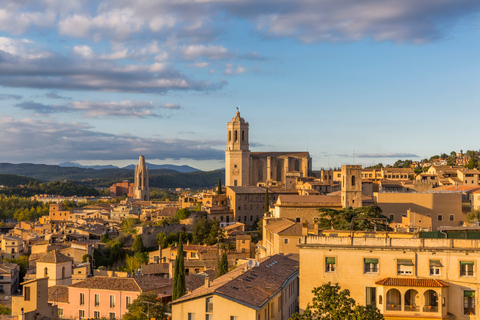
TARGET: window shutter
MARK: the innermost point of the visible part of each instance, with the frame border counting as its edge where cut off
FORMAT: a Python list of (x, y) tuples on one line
[(405, 262), (467, 263), (370, 260), (330, 260)]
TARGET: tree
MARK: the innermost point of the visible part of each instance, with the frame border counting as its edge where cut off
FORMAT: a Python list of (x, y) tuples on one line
[(162, 240), (4, 310), (138, 244), (128, 226), (331, 303), (132, 264), (267, 202), (219, 189), (179, 287), (105, 238), (341, 219), (474, 216), (183, 213), (222, 265), (145, 307)]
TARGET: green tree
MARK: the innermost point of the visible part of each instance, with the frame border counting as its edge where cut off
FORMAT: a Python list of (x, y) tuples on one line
[(183, 213), (145, 307), (222, 265), (138, 244), (105, 238), (200, 230), (219, 188), (267, 202), (474, 216), (214, 234), (4, 310), (341, 219), (179, 287), (132, 264), (128, 226), (331, 303), (472, 163), (162, 240)]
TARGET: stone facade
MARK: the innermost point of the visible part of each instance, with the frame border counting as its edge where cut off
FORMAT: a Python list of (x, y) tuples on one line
[(141, 190), (351, 186)]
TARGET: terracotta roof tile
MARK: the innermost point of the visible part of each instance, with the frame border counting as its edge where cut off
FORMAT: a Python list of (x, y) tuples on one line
[(409, 282), (54, 257), (58, 294), (137, 284)]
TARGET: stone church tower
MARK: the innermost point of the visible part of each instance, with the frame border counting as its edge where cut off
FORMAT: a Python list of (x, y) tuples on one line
[(237, 155), (141, 190), (351, 186)]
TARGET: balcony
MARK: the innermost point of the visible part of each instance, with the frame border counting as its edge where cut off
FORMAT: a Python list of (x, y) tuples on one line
[(394, 307), (412, 308), (430, 309)]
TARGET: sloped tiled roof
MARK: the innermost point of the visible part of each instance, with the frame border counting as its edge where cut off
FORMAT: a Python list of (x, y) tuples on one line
[(137, 284), (278, 226), (253, 287), (155, 268), (54, 257), (58, 294), (409, 282)]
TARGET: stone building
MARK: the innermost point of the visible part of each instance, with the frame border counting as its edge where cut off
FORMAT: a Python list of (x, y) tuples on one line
[(404, 278), (141, 190), (246, 168)]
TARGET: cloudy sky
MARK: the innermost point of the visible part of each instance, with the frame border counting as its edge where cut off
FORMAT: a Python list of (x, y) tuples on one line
[(104, 81)]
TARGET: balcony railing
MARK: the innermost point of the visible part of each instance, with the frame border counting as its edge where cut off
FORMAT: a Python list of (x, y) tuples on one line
[(412, 308), (394, 307), (430, 309)]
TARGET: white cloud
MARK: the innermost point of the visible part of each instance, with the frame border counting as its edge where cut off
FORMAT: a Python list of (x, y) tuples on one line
[(230, 69), (200, 64), (194, 52)]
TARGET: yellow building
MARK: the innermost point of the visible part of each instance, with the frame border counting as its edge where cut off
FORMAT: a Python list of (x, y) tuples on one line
[(56, 267), (33, 303), (266, 291), (403, 278)]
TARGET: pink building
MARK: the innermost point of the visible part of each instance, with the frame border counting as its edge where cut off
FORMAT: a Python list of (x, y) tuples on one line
[(107, 297)]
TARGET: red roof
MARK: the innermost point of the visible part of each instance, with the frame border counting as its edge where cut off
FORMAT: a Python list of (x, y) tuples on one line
[(406, 282)]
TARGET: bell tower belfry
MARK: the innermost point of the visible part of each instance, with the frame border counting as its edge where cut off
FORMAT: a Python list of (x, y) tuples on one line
[(237, 155)]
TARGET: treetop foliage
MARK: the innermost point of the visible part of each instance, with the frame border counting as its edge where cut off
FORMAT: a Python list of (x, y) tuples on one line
[(341, 219)]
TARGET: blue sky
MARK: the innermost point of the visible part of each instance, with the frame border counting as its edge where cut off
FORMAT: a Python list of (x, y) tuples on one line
[(102, 82)]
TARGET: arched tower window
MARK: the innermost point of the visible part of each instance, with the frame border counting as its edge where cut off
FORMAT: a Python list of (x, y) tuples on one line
[(353, 181), (243, 135), (229, 136), (45, 272), (235, 183), (297, 165), (63, 272), (236, 135)]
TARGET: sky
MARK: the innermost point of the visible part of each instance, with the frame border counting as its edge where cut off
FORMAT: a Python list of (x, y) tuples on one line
[(352, 82)]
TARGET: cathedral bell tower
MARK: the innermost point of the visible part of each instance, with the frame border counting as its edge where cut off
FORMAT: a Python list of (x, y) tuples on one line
[(237, 155)]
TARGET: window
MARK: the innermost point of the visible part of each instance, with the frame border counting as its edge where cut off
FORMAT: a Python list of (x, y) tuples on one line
[(192, 254), (112, 301), (60, 312), (298, 219), (128, 301), (26, 293), (439, 217), (404, 266), (392, 217), (96, 314), (466, 268), (370, 265), (469, 302), (45, 272), (111, 315), (209, 304), (371, 296), (81, 314), (233, 317), (82, 299), (435, 266), (209, 316), (286, 241), (329, 264), (452, 217), (191, 316)]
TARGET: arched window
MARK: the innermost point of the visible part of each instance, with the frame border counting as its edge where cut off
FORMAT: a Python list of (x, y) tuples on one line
[(297, 165), (235, 183), (229, 136), (45, 272), (243, 135), (353, 181), (236, 135)]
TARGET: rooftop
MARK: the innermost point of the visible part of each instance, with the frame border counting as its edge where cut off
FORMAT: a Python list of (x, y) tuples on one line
[(54, 257), (405, 282)]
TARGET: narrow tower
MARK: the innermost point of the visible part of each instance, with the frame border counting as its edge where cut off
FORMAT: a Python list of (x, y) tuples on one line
[(351, 186), (141, 190), (237, 155)]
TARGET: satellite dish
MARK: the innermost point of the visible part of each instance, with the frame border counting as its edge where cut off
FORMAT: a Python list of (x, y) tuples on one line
[(6, 297)]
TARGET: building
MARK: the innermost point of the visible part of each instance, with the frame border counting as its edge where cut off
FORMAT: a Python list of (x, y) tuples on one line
[(33, 303), (108, 297), (9, 278), (404, 278), (266, 291), (279, 236), (351, 190), (56, 267), (120, 189), (141, 190), (11, 247), (57, 213), (245, 168)]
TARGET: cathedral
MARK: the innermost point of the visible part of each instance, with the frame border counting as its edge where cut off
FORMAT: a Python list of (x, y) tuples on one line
[(141, 190), (245, 168)]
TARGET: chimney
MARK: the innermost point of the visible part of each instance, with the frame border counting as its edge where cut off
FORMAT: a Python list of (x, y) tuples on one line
[(188, 242), (207, 282)]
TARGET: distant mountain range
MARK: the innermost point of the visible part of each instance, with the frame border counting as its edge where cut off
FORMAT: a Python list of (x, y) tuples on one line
[(160, 178), (151, 166)]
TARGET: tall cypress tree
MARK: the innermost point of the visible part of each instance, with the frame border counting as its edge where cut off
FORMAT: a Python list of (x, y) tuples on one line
[(223, 265), (175, 281), (181, 286), (219, 189), (267, 202)]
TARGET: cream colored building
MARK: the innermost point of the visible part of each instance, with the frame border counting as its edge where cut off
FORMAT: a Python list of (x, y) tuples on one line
[(33, 303), (268, 291), (403, 278), (56, 267), (11, 247)]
